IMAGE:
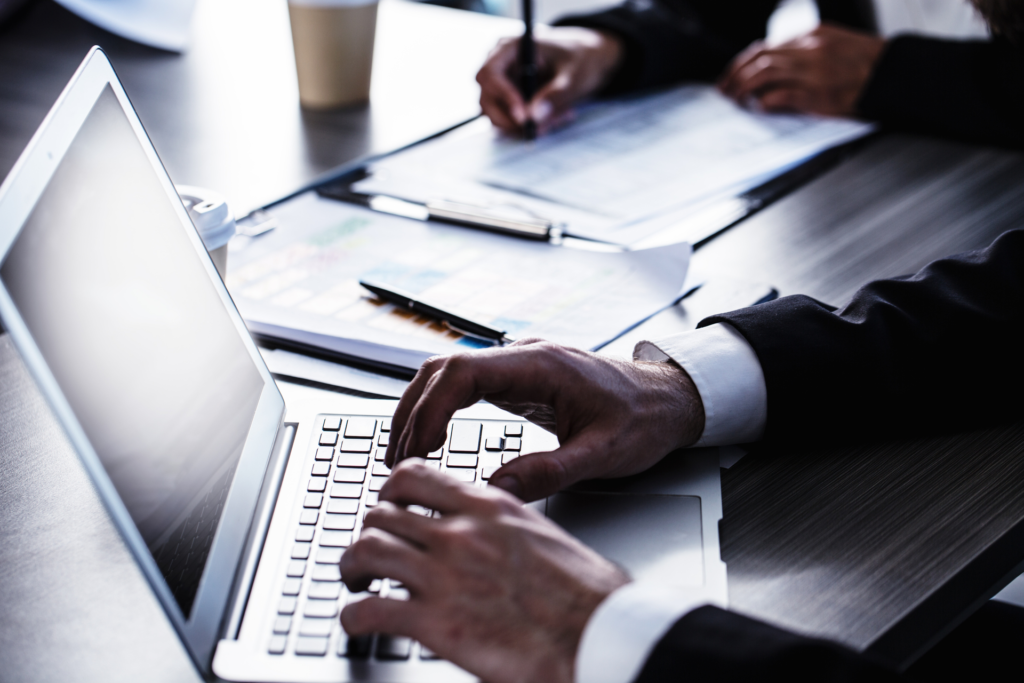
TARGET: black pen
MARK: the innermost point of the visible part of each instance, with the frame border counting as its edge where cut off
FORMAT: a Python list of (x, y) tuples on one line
[(455, 322), (528, 67)]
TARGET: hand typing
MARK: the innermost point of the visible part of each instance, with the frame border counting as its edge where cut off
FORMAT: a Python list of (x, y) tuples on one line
[(612, 418), (823, 72), (494, 587), (572, 63)]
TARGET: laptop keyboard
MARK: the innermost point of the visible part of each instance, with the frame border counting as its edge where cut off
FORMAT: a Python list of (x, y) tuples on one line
[(345, 479)]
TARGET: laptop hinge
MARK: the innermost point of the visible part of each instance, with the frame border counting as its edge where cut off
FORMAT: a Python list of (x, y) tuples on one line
[(258, 530)]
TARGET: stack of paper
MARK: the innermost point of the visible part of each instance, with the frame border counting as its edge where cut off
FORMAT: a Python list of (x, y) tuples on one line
[(300, 283)]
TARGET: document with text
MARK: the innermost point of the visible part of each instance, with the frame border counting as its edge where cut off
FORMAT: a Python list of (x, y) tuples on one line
[(300, 282), (622, 171)]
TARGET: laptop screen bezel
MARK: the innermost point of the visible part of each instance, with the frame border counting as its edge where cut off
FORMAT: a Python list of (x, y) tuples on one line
[(19, 194)]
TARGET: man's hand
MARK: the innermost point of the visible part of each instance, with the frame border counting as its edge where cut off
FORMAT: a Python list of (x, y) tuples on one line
[(494, 586), (612, 418), (823, 72), (572, 63)]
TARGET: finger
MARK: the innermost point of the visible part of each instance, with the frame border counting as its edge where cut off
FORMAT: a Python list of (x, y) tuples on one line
[(512, 374), (498, 114), (539, 475), (768, 73), (413, 483), (380, 555), (409, 398), (727, 81), (381, 615), (787, 99), (401, 523), (496, 82)]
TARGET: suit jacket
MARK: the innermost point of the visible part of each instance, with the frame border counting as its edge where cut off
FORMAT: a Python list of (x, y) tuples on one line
[(971, 90), (939, 350)]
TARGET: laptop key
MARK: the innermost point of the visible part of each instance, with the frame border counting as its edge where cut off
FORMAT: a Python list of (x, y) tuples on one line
[(487, 472), (343, 506), (494, 443), (292, 587), (277, 644), (330, 556), (346, 491), (313, 500), (300, 551), (468, 476), (328, 438), (321, 609), (377, 483), (317, 484), (385, 424), (514, 430), (326, 572), (287, 606), (335, 539), (379, 454), (427, 653), (325, 454), (356, 445), (360, 428), (462, 460), (349, 475), (372, 498), (282, 625), (332, 424), (465, 437), (513, 444), (393, 647), (305, 534), (340, 522), (435, 455), (324, 590), (316, 627), (311, 647), (353, 460), (309, 517), (296, 569), (321, 469), (506, 458), (380, 469)]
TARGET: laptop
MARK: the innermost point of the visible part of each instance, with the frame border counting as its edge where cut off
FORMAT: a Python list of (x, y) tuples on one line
[(238, 507)]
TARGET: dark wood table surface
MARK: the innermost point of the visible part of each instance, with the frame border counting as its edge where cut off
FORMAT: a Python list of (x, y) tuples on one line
[(881, 546)]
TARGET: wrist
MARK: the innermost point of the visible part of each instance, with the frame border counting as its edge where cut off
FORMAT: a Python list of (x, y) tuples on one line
[(678, 397)]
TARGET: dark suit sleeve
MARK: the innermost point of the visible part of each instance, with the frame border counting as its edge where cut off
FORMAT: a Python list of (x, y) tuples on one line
[(710, 644), (938, 351), (971, 90)]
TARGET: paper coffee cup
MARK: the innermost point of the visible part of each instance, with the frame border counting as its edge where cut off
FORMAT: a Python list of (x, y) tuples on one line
[(333, 42), (213, 219)]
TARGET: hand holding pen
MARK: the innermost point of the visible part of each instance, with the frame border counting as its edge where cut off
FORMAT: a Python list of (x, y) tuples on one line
[(571, 64)]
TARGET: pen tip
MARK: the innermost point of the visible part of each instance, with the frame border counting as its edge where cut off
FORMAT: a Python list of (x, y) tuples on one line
[(530, 130)]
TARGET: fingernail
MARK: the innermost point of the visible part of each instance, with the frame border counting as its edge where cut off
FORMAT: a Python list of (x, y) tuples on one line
[(510, 484), (540, 111)]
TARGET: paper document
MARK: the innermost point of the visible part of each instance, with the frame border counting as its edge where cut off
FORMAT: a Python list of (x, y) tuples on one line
[(621, 168), (300, 282)]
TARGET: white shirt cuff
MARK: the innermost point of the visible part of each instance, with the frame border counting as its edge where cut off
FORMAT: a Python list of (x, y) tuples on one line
[(625, 627), (728, 376)]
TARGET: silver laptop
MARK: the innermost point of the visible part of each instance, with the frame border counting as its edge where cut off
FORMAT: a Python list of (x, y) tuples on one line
[(237, 507)]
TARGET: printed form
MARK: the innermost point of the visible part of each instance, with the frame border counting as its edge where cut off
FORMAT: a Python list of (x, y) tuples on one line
[(624, 170)]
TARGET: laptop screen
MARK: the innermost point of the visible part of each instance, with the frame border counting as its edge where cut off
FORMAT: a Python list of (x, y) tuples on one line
[(123, 310)]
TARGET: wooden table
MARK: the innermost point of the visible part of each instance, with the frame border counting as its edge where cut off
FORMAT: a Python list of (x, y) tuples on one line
[(881, 546)]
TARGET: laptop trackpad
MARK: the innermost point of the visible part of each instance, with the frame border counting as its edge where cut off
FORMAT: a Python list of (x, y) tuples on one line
[(651, 536)]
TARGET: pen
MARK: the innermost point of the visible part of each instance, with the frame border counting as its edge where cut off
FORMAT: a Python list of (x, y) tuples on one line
[(528, 66), (455, 322)]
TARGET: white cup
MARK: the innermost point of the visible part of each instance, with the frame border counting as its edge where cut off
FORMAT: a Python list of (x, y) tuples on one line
[(213, 219), (333, 42)]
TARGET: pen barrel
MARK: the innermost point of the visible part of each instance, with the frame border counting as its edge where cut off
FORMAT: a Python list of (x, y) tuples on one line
[(527, 55)]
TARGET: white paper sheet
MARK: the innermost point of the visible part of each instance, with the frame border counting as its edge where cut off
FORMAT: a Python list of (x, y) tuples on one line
[(159, 23), (297, 366), (300, 282), (620, 167)]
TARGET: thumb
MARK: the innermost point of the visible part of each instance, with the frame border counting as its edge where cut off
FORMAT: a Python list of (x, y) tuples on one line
[(552, 99), (539, 475)]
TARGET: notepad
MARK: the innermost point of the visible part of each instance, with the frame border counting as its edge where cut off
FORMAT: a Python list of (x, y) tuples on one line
[(624, 170), (300, 283)]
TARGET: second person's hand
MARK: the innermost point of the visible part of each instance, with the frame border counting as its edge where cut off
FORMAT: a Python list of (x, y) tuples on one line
[(572, 64), (612, 418)]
